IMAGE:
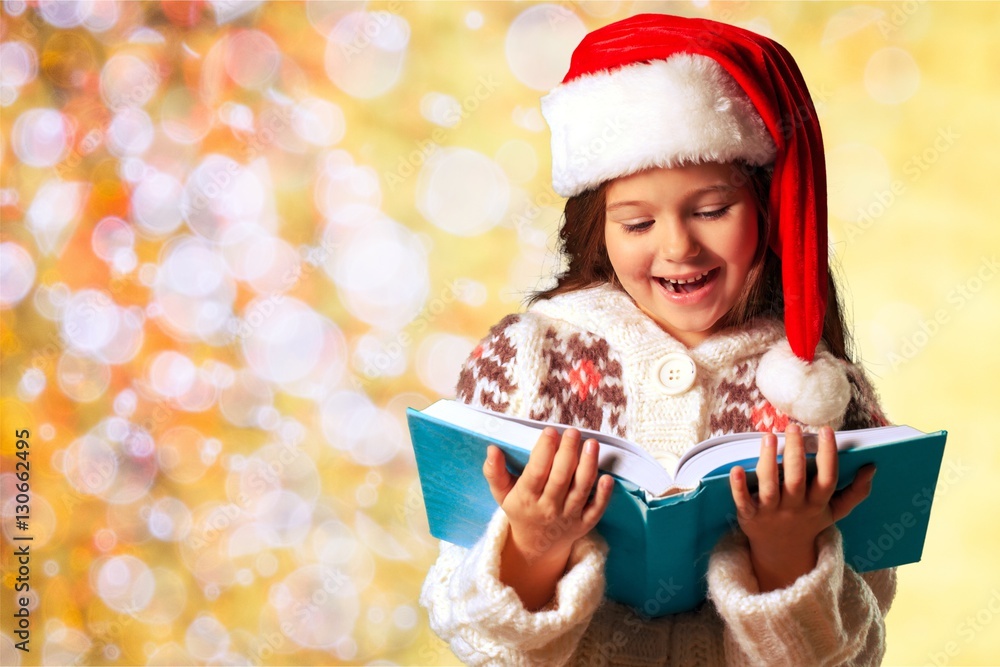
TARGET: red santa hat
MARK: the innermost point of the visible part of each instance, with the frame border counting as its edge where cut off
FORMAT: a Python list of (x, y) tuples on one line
[(659, 90)]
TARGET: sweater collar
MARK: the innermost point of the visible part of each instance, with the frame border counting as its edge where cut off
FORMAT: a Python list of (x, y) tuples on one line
[(611, 313)]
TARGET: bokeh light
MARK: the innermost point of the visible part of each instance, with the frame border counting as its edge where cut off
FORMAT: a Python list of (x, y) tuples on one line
[(39, 137), (17, 273), (539, 42), (156, 204), (365, 52), (891, 75), (53, 213), (18, 65), (462, 192)]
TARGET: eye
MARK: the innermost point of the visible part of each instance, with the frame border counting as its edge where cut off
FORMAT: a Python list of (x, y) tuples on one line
[(714, 215), (638, 227)]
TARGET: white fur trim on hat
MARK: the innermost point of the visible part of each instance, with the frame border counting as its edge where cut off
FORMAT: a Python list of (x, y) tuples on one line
[(815, 393), (685, 109)]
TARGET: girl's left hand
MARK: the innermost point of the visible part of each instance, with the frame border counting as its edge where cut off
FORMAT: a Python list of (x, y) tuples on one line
[(784, 519)]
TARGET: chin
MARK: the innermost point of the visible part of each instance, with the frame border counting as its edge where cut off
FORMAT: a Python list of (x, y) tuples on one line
[(683, 328)]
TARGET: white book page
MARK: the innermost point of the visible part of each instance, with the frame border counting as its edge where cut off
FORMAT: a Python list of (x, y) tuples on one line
[(604, 438), (616, 456), (628, 460), (714, 453)]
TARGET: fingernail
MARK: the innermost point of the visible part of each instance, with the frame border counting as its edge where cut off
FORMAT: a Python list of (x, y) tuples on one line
[(590, 446)]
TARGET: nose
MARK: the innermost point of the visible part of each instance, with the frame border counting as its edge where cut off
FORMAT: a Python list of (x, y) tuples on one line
[(676, 242)]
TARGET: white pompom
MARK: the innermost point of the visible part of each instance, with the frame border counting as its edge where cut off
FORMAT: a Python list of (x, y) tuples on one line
[(815, 393)]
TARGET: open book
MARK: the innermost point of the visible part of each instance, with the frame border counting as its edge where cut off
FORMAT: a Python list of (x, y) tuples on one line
[(661, 525), (630, 462)]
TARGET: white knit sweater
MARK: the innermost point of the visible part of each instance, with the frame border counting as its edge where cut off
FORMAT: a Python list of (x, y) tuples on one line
[(590, 359)]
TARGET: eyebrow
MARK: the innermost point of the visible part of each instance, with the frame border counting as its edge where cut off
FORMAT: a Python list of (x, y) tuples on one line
[(719, 187)]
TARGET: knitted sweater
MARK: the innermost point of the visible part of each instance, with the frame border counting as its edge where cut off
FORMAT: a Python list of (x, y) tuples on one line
[(591, 359)]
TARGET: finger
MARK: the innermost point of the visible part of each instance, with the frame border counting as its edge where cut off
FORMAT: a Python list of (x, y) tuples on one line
[(602, 496), (851, 496), (793, 463), (827, 468), (768, 491), (563, 468), (496, 474), (583, 481), (536, 472), (745, 505)]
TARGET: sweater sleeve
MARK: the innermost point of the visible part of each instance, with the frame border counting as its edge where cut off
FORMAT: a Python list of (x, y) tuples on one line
[(829, 616), (482, 619), (485, 622)]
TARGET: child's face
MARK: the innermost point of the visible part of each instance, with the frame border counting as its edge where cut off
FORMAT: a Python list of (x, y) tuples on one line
[(681, 223)]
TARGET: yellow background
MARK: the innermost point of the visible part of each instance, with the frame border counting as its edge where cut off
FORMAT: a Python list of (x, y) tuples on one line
[(174, 524)]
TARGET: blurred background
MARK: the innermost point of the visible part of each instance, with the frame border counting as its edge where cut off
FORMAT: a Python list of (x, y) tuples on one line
[(240, 238)]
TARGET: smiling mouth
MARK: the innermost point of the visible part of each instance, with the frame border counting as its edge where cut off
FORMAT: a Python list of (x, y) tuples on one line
[(689, 285)]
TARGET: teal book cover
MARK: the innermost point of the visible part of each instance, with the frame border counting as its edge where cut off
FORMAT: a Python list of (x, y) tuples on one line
[(659, 547)]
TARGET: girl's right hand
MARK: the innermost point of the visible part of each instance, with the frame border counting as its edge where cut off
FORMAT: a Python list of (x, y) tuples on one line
[(548, 510), (548, 506)]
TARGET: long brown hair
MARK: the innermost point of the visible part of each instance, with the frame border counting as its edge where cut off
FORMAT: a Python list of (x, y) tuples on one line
[(581, 241)]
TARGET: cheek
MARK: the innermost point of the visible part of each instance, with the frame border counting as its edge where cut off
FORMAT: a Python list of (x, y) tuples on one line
[(618, 252), (742, 246), (627, 259)]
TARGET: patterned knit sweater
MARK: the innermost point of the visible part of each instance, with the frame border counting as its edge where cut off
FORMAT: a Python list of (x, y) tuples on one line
[(592, 359)]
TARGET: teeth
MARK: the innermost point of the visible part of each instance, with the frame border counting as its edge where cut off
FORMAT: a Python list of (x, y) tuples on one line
[(689, 280)]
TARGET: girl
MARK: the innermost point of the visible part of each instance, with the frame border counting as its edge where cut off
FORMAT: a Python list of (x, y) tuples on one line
[(696, 302)]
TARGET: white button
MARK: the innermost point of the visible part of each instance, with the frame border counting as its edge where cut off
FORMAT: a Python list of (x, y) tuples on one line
[(677, 373)]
